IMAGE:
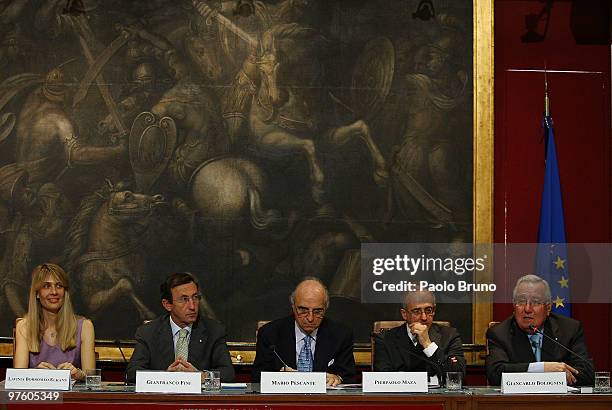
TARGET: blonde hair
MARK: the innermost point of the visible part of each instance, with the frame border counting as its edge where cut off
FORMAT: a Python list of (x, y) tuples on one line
[(66, 324)]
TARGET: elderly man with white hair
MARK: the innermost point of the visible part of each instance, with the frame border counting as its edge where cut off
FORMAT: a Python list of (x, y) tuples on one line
[(518, 345)]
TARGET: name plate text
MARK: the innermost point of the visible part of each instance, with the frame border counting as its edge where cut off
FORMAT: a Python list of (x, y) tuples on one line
[(293, 382), (384, 382), (533, 383), (168, 382), (37, 379)]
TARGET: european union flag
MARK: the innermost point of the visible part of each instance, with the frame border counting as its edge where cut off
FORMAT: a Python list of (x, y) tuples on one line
[(552, 249)]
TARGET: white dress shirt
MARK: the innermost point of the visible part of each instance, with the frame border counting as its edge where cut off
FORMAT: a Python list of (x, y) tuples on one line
[(175, 332)]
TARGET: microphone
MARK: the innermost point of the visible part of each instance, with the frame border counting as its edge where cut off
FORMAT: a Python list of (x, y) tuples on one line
[(273, 347), (555, 341), (118, 343)]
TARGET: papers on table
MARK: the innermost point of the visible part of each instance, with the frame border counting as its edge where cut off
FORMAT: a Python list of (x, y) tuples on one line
[(233, 386), (346, 386)]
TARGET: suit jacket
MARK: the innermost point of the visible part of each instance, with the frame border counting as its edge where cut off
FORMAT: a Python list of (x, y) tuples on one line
[(333, 351), (395, 352), (155, 348), (510, 350)]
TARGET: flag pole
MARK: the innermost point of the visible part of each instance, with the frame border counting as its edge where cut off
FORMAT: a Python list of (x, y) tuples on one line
[(546, 99)]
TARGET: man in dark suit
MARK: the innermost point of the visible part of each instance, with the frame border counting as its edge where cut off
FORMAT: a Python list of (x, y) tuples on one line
[(514, 346), (420, 344), (180, 340), (306, 340)]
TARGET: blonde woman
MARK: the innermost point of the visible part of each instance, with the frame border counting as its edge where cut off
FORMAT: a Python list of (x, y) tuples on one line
[(52, 336)]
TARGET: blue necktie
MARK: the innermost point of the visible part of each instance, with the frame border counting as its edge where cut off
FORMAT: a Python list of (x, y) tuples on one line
[(304, 363), (535, 346)]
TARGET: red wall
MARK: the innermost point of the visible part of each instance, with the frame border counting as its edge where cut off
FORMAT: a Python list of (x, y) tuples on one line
[(580, 106)]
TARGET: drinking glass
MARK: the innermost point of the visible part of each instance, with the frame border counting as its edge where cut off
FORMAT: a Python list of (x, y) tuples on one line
[(602, 382), (212, 381), (453, 380), (93, 379)]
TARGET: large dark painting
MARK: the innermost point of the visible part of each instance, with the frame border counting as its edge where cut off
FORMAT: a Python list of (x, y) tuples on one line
[(249, 142)]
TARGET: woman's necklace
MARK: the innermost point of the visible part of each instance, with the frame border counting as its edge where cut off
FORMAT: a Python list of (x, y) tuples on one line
[(52, 334)]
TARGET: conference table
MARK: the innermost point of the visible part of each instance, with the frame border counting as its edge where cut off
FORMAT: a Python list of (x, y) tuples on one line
[(117, 396)]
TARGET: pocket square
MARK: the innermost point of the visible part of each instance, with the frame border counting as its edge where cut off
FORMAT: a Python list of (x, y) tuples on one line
[(330, 362)]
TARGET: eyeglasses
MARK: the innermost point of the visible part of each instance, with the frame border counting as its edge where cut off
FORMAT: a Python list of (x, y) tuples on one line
[(185, 299), (304, 311), (523, 301), (419, 311)]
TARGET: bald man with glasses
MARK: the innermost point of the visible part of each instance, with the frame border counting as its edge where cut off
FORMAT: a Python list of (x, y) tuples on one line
[(419, 344), (181, 340), (307, 340)]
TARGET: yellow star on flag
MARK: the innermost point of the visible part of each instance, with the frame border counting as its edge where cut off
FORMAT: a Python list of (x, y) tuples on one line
[(563, 282), (559, 302), (559, 263)]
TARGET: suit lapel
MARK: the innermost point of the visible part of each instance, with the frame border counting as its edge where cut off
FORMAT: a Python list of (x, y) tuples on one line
[(286, 345), (198, 339), (435, 335), (166, 341), (323, 347), (521, 345), (549, 349), (404, 344)]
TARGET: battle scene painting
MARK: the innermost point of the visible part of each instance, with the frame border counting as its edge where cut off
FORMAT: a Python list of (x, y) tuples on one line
[(249, 142)]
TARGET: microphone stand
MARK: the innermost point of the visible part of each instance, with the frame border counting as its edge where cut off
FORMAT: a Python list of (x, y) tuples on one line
[(556, 342), (118, 343), (273, 347)]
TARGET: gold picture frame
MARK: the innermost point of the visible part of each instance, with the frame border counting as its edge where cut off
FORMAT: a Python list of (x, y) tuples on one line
[(482, 208), (482, 312)]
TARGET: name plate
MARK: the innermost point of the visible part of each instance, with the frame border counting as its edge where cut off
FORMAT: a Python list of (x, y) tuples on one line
[(293, 382), (534, 383), (37, 379), (168, 382), (386, 382)]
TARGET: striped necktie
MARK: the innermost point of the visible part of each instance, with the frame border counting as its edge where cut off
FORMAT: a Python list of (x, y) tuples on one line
[(535, 346), (182, 345), (304, 363)]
